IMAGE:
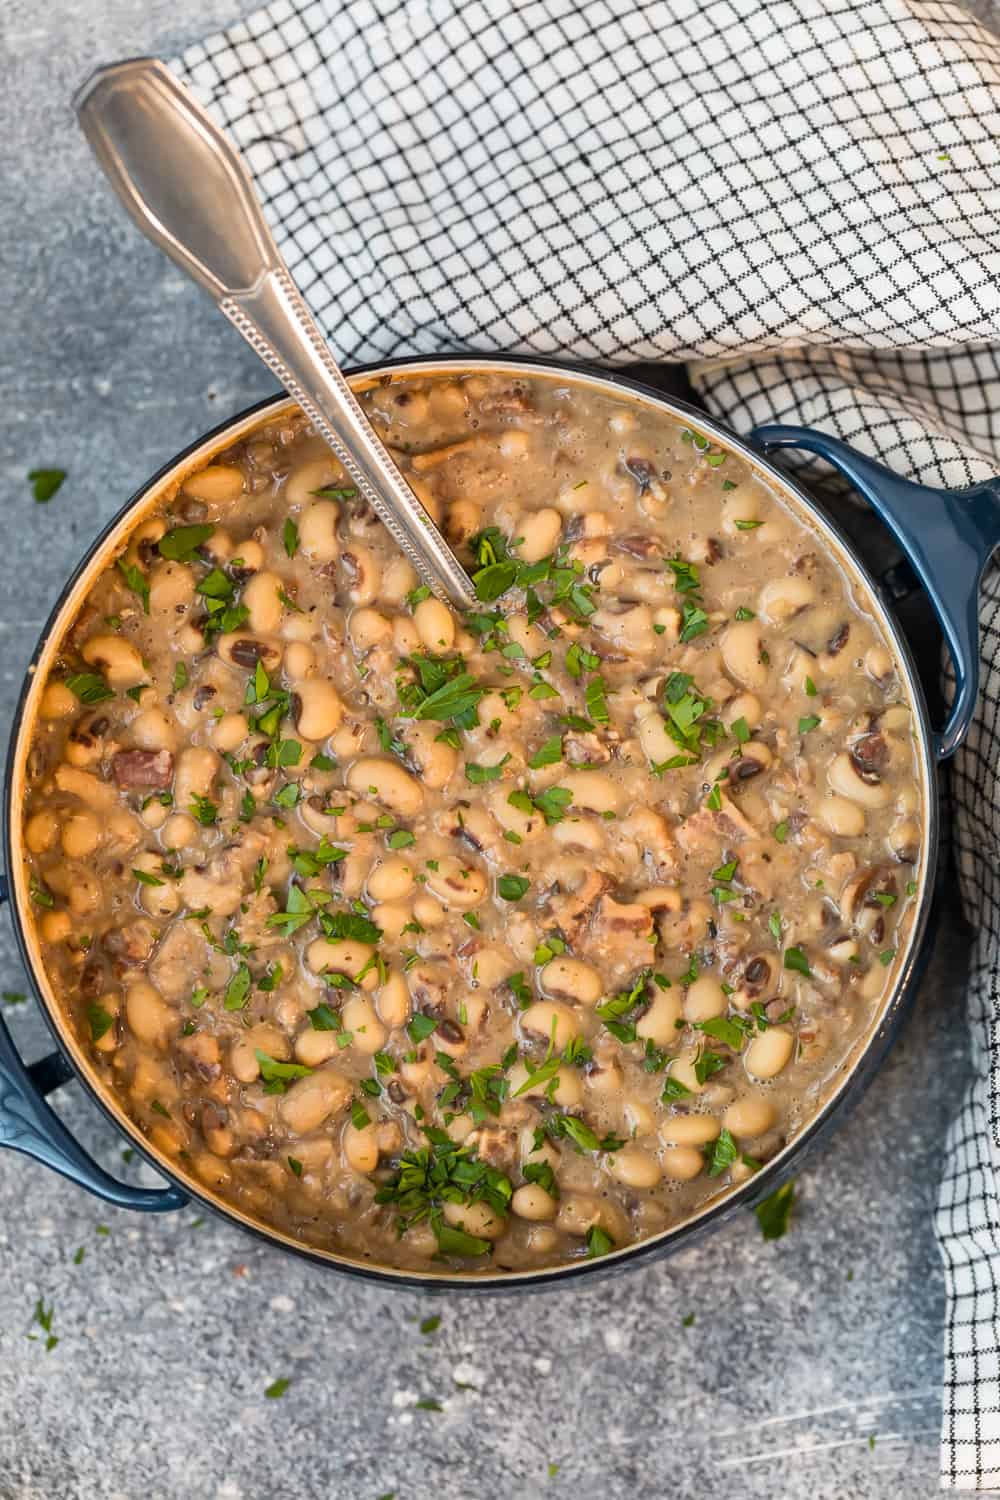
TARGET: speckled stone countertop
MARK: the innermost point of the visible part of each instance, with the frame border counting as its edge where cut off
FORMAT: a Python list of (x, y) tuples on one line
[(812, 1365)]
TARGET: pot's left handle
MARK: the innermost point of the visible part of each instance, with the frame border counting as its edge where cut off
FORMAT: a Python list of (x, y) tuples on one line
[(27, 1124), (948, 537)]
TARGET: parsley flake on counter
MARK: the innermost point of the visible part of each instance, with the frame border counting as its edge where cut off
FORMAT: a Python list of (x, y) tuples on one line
[(430, 1325), (774, 1213), (45, 483), (276, 1389)]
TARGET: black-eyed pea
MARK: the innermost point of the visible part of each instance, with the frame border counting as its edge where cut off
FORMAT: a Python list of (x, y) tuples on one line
[(309, 476), (229, 732), (463, 519), (117, 659), (360, 1147), (215, 484), (744, 706), (741, 504), (171, 588), (682, 1068), (146, 531), (605, 1078), (639, 1118), (250, 556), (785, 597), (491, 966), (531, 640), (769, 1052), (653, 737), (392, 1001), (153, 729), (846, 782), (263, 1037), (180, 831), (392, 917), (85, 893), (349, 738), (593, 791), (58, 702), (550, 1020), (149, 1019), (526, 825), (533, 1202), (398, 580), (368, 628), (436, 761), (388, 783), (659, 1023), (879, 663), (476, 1219), (428, 912), (81, 835), (194, 774), (843, 952), (405, 639), (682, 1163), (629, 629), (56, 926), (571, 979), (310, 1101), (635, 1168), (458, 885), (689, 1130), (363, 573), (566, 1089), (154, 814), (261, 598), (318, 709), (841, 817), (359, 1019), (342, 956), (749, 1117), (391, 879), (904, 840), (188, 640), (200, 888), (318, 524), (580, 834), (41, 831), (313, 1048), (435, 625), (579, 1212), (539, 531), (743, 654), (704, 999)]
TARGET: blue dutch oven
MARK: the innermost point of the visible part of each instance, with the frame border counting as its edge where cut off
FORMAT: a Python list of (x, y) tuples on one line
[(948, 537)]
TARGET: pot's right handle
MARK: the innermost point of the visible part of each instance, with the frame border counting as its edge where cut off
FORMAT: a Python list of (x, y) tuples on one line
[(27, 1124), (948, 536)]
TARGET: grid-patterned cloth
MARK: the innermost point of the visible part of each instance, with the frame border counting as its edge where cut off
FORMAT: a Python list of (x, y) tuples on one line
[(798, 197)]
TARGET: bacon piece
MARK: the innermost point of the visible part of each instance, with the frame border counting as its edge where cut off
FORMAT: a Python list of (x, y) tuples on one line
[(143, 768)]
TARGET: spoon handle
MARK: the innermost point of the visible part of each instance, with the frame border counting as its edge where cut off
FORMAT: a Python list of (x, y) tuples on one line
[(188, 191)]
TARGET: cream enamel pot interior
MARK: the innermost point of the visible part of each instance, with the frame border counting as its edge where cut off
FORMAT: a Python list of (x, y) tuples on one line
[(948, 538)]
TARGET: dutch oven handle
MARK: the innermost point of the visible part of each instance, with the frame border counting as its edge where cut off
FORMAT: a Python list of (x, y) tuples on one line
[(27, 1124), (948, 537)]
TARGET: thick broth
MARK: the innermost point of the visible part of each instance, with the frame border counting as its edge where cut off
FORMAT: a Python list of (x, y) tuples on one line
[(496, 941)]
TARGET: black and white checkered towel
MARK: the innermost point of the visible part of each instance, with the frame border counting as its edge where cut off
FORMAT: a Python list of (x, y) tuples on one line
[(800, 198)]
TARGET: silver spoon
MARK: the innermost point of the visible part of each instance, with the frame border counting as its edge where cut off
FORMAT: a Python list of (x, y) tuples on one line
[(189, 192)]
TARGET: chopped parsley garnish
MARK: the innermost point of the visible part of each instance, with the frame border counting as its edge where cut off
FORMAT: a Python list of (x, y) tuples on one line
[(547, 754), (347, 924), (99, 1021), (478, 775), (204, 810), (419, 1027), (299, 910), (401, 838), (781, 830), (595, 695), (620, 1013), (182, 543), (290, 537), (809, 722), (238, 989), (580, 660), (135, 579), (694, 622), (273, 1071), (440, 1172), (796, 960), (89, 687), (441, 689), (742, 613), (721, 1154), (513, 887), (599, 1242)]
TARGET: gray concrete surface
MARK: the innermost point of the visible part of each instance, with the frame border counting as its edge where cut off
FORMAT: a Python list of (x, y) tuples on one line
[(812, 1366)]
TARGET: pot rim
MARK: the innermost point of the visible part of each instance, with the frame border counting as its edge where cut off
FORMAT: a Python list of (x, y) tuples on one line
[(856, 1071)]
